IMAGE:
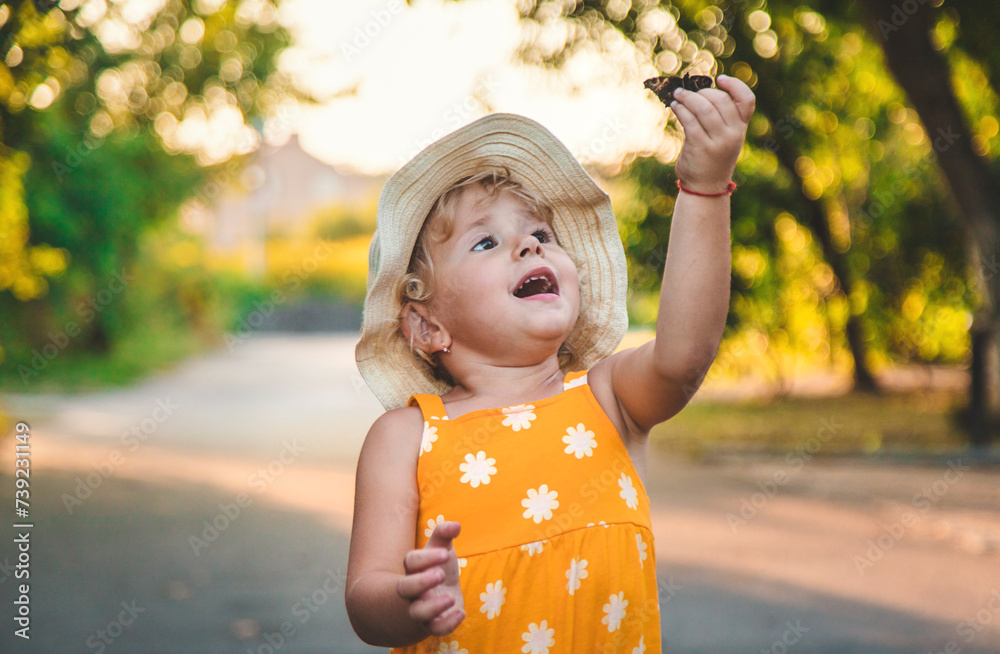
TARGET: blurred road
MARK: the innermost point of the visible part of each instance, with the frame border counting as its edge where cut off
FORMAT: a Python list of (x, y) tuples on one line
[(208, 510)]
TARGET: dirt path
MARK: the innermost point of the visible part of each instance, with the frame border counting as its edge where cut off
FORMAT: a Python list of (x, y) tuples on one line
[(214, 503)]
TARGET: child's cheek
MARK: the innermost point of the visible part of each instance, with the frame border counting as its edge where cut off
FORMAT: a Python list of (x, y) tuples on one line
[(447, 292)]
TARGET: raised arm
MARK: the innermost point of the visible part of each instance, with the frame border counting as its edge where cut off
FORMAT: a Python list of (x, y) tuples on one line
[(653, 382)]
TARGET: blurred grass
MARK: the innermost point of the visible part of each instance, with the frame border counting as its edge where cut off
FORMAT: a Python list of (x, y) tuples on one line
[(851, 423), (138, 355)]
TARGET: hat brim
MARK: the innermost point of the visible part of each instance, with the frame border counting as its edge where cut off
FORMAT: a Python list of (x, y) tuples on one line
[(583, 222)]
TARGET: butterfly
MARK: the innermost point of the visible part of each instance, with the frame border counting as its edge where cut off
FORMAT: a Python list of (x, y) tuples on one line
[(664, 87)]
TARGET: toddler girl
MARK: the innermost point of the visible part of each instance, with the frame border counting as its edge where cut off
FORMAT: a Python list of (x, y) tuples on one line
[(500, 502)]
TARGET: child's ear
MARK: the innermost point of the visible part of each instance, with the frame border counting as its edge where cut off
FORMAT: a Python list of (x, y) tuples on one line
[(422, 331)]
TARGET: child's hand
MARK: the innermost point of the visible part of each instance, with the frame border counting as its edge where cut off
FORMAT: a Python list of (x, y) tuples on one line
[(715, 126), (431, 582)]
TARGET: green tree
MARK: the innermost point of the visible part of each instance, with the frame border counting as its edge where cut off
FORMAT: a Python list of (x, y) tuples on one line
[(833, 145), (945, 60), (97, 105)]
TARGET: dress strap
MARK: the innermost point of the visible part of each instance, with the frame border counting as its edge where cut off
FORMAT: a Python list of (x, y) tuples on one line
[(430, 405), (573, 379)]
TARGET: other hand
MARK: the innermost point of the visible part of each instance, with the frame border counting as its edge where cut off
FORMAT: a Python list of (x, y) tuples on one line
[(431, 585)]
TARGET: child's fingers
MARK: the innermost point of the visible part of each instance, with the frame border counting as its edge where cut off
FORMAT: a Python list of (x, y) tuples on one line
[(419, 560), (447, 622), (687, 119), (742, 95), (443, 534), (714, 110), (726, 108), (428, 610), (412, 586)]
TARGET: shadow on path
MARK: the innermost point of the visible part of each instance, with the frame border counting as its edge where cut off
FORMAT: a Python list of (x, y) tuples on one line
[(131, 544)]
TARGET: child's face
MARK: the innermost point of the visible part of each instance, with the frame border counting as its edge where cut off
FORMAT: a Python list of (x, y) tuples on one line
[(480, 294)]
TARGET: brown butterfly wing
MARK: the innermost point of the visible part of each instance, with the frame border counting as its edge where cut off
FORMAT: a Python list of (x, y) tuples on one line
[(697, 82), (664, 87)]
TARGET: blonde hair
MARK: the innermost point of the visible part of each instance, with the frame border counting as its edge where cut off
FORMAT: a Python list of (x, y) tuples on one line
[(418, 283)]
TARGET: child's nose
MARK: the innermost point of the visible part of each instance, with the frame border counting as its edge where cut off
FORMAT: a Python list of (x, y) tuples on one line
[(528, 245)]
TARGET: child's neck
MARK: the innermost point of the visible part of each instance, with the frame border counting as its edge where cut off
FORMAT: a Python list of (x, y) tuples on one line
[(485, 386)]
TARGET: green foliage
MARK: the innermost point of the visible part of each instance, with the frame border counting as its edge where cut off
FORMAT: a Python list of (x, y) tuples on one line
[(342, 221), (23, 268), (832, 131), (98, 208), (170, 308), (92, 156)]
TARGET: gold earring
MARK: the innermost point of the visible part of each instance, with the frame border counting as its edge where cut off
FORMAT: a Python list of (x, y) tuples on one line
[(445, 349)]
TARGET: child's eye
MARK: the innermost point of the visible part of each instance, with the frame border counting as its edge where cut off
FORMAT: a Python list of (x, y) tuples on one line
[(489, 240), (544, 236)]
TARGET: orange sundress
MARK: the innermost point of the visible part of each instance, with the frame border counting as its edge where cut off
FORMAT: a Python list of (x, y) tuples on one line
[(556, 550)]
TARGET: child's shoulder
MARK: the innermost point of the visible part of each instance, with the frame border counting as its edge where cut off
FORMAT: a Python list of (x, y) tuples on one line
[(398, 424), (393, 441)]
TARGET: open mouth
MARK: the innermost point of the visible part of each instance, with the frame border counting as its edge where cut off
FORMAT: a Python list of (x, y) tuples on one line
[(540, 281)]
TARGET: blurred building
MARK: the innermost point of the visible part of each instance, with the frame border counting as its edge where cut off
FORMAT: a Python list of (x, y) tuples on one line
[(277, 194)]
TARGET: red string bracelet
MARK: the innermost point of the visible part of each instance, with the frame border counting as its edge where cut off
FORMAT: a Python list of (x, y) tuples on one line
[(730, 187)]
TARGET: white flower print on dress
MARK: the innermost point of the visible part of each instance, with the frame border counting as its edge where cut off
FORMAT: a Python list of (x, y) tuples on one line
[(427, 440), (518, 417), (629, 493), (538, 638), (573, 383), (533, 548), (641, 647), (642, 548), (431, 524), (614, 611), (477, 469), (539, 504), (461, 564), (579, 441), (451, 648), (577, 571), (493, 599)]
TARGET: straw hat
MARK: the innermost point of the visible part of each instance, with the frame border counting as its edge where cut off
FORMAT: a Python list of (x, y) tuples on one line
[(584, 225)]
